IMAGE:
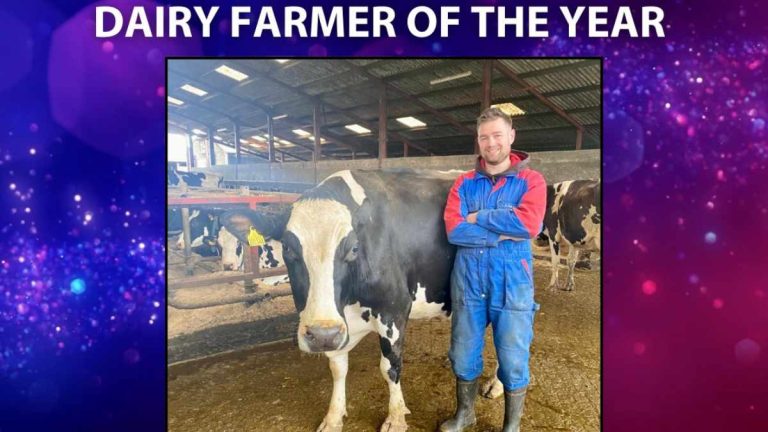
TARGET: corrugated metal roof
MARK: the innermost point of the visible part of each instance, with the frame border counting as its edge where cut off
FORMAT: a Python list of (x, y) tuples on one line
[(348, 91)]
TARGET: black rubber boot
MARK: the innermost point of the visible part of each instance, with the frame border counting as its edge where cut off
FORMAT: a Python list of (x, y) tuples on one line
[(466, 391), (513, 409)]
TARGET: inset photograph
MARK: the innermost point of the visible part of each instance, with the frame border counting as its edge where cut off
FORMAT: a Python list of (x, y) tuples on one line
[(384, 244)]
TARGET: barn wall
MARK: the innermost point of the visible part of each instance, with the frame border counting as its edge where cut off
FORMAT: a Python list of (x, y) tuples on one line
[(556, 166)]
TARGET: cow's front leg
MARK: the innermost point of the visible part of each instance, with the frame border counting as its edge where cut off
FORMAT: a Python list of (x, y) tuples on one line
[(554, 249), (333, 421), (573, 255), (391, 340)]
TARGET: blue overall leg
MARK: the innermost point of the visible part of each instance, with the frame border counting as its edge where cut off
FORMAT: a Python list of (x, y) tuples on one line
[(469, 315), (511, 316)]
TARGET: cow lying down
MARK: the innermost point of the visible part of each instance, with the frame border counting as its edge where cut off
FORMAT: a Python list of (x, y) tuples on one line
[(366, 251)]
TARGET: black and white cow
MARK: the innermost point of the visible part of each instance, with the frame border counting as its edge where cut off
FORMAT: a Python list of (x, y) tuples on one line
[(573, 217), (366, 251), (233, 256), (583, 261), (193, 179), (203, 228)]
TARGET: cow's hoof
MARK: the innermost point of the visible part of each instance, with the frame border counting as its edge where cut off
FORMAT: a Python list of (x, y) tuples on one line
[(568, 287), (394, 424), (492, 388), (328, 426)]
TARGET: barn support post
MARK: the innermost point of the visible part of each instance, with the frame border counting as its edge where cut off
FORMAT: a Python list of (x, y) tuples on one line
[(271, 137), (382, 125), (211, 152), (487, 90), (251, 262), (579, 138), (236, 129), (187, 240), (190, 153)]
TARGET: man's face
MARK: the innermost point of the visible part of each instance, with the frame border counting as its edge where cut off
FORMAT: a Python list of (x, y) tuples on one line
[(495, 140)]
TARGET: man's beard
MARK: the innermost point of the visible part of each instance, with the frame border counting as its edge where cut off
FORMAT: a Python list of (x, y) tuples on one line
[(502, 157)]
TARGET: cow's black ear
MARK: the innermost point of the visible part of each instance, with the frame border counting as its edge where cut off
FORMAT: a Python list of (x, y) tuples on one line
[(239, 222)]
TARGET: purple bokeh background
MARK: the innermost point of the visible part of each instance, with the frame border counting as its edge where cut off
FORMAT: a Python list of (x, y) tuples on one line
[(685, 305)]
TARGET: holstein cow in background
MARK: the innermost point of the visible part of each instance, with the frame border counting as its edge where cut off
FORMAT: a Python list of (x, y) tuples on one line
[(583, 261), (209, 240), (193, 179), (573, 217), (233, 256), (203, 228), (365, 251)]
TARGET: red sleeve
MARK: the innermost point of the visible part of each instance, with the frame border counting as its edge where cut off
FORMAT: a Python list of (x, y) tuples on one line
[(533, 204), (454, 215)]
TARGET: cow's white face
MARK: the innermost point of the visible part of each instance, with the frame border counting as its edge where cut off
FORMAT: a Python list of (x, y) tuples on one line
[(231, 251), (318, 245)]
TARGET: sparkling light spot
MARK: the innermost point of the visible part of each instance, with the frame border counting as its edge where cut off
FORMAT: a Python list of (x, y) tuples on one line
[(649, 287), (77, 286), (710, 237), (718, 303), (78, 198), (32, 151)]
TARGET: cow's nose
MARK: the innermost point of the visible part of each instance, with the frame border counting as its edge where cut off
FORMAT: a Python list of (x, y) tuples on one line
[(323, 338), (228, 267)]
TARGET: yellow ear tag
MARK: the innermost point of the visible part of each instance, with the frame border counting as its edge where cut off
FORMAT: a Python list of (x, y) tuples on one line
[(254, 238)]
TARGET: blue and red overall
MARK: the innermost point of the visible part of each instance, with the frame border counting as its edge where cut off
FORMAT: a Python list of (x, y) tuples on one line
[(492, 280)]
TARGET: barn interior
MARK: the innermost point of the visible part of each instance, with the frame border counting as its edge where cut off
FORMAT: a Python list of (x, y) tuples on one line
[(269, 129)]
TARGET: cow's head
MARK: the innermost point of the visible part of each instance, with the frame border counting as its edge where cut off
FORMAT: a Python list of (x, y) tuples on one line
[(231, 249), (232, 241), (323, 252)]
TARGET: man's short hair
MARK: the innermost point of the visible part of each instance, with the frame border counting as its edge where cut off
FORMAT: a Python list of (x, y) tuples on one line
[(491, 114)]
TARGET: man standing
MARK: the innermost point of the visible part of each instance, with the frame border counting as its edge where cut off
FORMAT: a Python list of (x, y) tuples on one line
[(492, 213)]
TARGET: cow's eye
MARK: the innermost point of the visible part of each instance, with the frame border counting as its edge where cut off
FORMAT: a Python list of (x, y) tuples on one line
[(352, 254)]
